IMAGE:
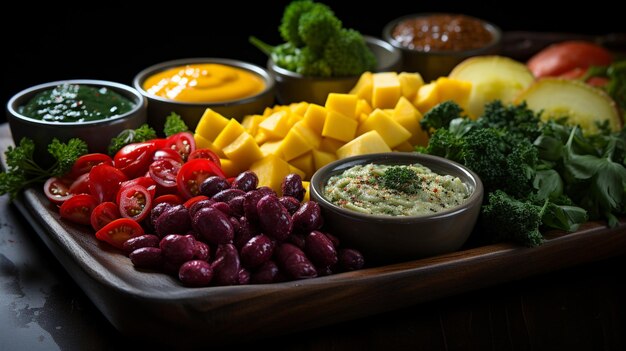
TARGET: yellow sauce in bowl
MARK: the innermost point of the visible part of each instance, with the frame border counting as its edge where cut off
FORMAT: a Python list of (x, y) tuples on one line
[(208, 82)]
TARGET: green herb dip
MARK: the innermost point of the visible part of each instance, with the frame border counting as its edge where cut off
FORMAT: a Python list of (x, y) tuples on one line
[(76, 103), (361, 188)]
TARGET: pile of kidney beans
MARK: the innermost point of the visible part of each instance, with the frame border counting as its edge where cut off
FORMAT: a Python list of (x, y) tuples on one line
[(241, 234)]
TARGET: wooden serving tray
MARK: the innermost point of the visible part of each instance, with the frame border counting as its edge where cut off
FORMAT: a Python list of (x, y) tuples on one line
[(155, 306)]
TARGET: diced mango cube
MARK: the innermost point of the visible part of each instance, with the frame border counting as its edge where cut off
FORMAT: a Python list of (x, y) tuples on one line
[(299, 108), (368, 143), (363, 106), (322, 158), (404, 147), (308, 134), (202, 143), (271, 170), (315, 116), (261, 137), (251, 123), (243, 150), (231, 131), (276, 125), (340, 127), (386, 90), (391, 131), (409, 117), (211, 124), (345, 104), (271, 147), (427, 97), (330, 145), (455, 90), (294, 145), (410, 84), (364, 86), (230, 168), (305, 164), (293, 119)]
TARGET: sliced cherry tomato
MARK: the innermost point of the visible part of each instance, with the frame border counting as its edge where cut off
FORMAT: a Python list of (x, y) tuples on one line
[(57, 189), (78, 208), (104, 182), (104, 214), (171, 199), (194, 199), (193, 173), (134, 159), (205, 153), (135, 202), (118, 231), (146, 182), (182, 142), (167, 153), (164, 172), (565, 56), (84, 163), (80, 185)]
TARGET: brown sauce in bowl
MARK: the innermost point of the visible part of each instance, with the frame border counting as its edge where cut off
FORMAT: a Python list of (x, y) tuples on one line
[(442, 33)]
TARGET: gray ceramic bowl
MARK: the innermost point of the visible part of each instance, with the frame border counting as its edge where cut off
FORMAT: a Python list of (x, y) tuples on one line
[(97, 134), (294, 87), (400, 238), (159, 107), (434, 64)]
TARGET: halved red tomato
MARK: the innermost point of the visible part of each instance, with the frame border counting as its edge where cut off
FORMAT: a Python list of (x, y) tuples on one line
[(80, 185), (104, 182), (104, 214), (146, 182), (171, 199), (78, 208), (57, 189), (195, 199), (164, 172), (167, 153), (205, 153), (182, 142), (118, 231), (85, 162), (134, 159), (193, 173), (135, 202)]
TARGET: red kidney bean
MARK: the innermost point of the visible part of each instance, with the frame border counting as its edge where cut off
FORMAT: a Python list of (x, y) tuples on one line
[(195, 273), (174, 220), (350, 259), (334, 239), (256, 251), (227, 195), (266, 273), (198, 205), (246, 181), (222, 206), (320, 249), (244, 276), (266, 190), (147, 257), (177, 248), (236, 205), (290, 203), (294, 262), (213, 185), (213, 226), (292, 186), (157, 211), (323, 271), (226, 265), (308, 218), (297, 239), (244, 232), (201, 251), (250, 200), (146, 240), (274, 218)]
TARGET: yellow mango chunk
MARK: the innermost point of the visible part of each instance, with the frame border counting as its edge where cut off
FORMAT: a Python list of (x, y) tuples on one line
[(251, 123), (243, 150), (229, 133), (272, 147), (404, 147), (410, 84), (409, 117), (296, 170), (308, 134), (427, 97), (368, 143), (362, 119), (391, 131), (305, 164), (314, 117), (294, 145), (330, 145), (202, 143), (306, 185), (230, 168), (322, 158), (276, 125), (293, 119), (340, 127), (386, 90), (271, 170), (455, 90), (362, 107), (261, 137), (299, 108), (211, 124), (268, 112), (364, 86), (345, 104)]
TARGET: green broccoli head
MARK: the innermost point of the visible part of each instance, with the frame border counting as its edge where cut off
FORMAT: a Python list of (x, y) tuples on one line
[(317, 26), (290, 21), (312, 64), (518, 120), (440, 116), (508, 219), (348, 54)]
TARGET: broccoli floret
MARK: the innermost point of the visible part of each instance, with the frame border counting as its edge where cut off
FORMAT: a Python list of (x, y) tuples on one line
[(312, 64), (440, 116), (317, 26), (347, 54), (401, 179), (285, 55), (518, 120), (290, 22), (505, 218)]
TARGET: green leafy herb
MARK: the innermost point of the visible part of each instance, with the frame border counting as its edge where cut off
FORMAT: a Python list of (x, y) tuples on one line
[(401, 179), (128, 136), (174, 124)]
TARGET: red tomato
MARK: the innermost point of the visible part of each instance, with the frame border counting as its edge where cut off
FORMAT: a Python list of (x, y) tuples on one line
[(193, 173), (134, 159), (80, 185), (562, 57), (118, 231), (164, 172), (205, 153), (167, 153), (57, 190), (182, 142), (104, 181), (135, 202), (78, 208), (84, 163), (104, 214), (195, 199), (579, 72), (146, 182), (171, 199)]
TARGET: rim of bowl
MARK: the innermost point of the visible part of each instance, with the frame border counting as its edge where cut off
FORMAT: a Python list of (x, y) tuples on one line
[(338, 166), (368, 39), (12, 105), (162, 66), (495, 31)]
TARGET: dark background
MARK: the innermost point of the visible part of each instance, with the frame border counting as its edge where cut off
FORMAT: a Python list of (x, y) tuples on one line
[(113, 40)]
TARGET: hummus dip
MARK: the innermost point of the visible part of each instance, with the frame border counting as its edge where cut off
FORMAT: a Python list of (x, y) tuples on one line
[(416, 191)]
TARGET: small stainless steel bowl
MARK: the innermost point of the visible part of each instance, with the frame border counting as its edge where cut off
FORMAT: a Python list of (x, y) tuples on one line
[(159, 107), (386, 239), (434, 64), (294, 87), (97, 134)]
